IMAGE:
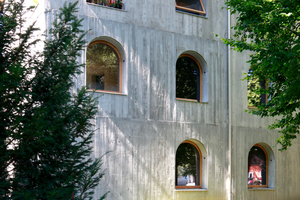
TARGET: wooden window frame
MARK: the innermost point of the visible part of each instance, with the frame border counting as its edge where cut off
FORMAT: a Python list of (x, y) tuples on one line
[(200, 168), (200, 76), (192, 10), (267, 168), (120, 66)]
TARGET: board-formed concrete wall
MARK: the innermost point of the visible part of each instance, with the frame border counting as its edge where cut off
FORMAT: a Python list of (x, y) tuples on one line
[(143, 126), (247, 130)]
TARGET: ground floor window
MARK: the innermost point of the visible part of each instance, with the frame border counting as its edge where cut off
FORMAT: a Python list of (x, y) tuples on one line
[(188, 166), (257, 167)]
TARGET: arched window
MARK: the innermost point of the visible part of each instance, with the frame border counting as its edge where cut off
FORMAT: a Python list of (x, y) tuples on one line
[(190, 6), (188, 78), (103, 67), (188, 166), (257, 167)]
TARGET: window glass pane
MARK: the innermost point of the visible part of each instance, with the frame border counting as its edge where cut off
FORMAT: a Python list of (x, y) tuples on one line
[(187, 165), (102, 67), (257, 166), (187, 78), (253, 84), (192, 4)]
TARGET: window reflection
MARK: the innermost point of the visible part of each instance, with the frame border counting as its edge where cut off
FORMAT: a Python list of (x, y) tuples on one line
[(257, 166), (192, 4), (254, 84), (187, 165), (187, 78), (102, 66)]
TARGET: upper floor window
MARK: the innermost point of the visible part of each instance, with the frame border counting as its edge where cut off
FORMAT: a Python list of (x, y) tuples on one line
[(188, 166), (190, 6), (257, 167), (103, 67), (109, 3), (255, 84), (188, 78)]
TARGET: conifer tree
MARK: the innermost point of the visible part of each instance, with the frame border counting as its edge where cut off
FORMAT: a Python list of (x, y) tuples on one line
[(45, 131)]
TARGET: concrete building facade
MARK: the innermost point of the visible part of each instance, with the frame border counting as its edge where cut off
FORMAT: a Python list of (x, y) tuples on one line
[(143, 124)]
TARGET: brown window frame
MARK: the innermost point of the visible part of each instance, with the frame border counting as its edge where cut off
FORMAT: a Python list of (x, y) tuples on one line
[(200, 76), (200, 168), (267, 167), (192, 10), (120, 66)]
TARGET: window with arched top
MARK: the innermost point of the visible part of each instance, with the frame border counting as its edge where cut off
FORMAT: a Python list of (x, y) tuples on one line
[(103, 67), (188, 78), (188, 166), (257, 167)]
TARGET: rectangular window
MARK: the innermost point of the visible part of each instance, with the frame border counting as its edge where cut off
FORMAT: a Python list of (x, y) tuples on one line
[(253, 85), (108, 3), (190, 6)]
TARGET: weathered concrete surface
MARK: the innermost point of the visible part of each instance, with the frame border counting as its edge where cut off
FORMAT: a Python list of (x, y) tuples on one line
[(248, 130), (143, 126)]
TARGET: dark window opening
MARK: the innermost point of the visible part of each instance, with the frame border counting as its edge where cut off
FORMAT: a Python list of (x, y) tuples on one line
[(263, 97), (188, 81)]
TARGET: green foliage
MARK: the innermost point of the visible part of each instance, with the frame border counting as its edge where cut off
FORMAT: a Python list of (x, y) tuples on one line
[(270, 29), (119, 2), (253, 97), (45, 131), (255, 90)]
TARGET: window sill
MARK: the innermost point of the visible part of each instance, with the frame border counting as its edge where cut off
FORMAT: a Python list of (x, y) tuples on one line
[(191, 190), (106, 92), (195, 15), (102, 6), (260, 189), (252, 107), (190, 100)]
